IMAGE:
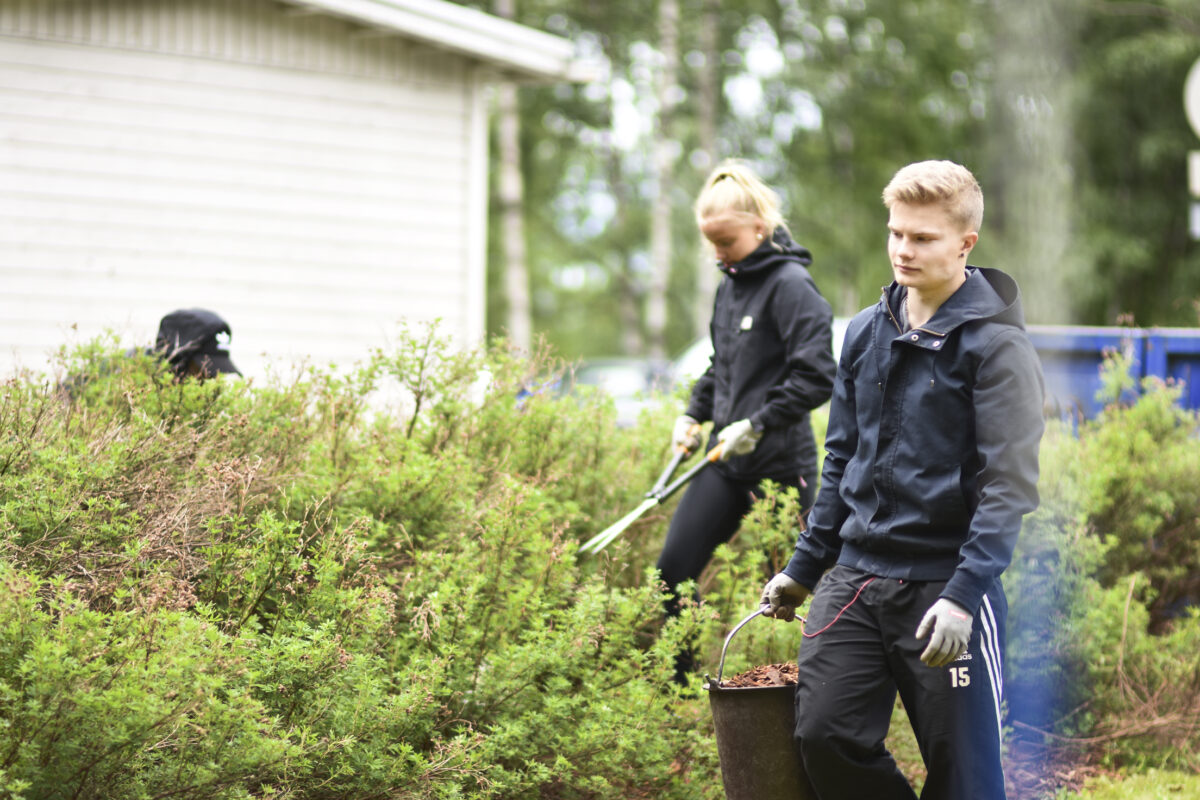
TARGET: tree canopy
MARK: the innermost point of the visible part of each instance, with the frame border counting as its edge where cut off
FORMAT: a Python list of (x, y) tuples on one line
[(1069, 112)]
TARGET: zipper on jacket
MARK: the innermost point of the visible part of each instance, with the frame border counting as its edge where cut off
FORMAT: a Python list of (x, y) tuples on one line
[(888, 306), (899, 327)]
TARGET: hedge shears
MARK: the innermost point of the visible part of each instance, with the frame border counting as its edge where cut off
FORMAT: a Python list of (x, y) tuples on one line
[(657, 494)]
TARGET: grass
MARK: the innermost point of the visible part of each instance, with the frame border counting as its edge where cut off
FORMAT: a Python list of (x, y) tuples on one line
[(902, 744), (1151, 785)]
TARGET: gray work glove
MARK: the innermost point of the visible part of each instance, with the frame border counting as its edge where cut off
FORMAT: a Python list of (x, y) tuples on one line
[(951, 626), (780, 598), (686, 435), (738, 439)]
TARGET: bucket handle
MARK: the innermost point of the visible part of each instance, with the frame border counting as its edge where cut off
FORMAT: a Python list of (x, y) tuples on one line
[(721, 668)]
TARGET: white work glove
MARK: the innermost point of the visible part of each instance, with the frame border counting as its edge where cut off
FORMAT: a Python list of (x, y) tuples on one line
[(951, 626), (686, 435), (738, 439), (780, 598)]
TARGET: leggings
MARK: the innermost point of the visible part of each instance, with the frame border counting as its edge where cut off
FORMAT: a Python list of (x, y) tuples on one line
[(707, 517)]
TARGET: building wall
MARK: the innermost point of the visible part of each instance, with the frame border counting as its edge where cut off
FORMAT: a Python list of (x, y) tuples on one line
[(312, 181)]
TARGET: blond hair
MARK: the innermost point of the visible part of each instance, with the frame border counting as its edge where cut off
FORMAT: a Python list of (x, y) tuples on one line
[(734, 188), (945, 183)]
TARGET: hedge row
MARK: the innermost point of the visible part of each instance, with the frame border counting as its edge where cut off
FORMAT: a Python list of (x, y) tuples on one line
[(366, 585)]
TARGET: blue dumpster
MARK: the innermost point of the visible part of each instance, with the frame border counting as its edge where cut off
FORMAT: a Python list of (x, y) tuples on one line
[(1174, 354), (1072, 357)]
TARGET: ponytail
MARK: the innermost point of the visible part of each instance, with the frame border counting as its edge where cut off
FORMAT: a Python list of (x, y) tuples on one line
[(734, 188)]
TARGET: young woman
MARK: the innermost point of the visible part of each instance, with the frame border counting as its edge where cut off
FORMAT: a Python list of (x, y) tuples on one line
[(772, 364)]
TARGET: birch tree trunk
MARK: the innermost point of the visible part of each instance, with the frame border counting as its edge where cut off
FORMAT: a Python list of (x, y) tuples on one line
[(627, 290), (1034, 152), (663, 167), (707, 103), (511, 191)]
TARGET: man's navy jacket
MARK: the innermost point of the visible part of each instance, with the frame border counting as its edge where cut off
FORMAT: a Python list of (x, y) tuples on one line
[(932, 446)]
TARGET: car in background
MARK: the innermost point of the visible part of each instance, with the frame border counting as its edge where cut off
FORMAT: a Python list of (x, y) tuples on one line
[(632, 383), (695, 358), (636, 383)]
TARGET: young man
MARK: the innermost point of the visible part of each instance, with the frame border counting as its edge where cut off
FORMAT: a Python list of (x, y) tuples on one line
[(931, 464)]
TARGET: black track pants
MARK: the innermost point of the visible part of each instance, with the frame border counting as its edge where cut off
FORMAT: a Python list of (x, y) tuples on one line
[(707, 517), (857, 653)]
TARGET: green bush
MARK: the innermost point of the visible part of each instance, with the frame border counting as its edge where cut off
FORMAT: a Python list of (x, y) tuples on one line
[(1102, 647), (1142, 495), (366, 584), (349, 585), (124, 703)]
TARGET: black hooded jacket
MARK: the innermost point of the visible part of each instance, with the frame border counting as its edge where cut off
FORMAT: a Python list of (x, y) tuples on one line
[(772, 360), (932, 447)]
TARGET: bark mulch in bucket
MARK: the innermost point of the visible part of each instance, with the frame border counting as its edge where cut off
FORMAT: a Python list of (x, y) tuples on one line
[(766, 675)]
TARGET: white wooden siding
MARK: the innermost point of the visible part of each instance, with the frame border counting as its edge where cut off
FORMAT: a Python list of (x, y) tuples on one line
[(250, 31), (312, 184)]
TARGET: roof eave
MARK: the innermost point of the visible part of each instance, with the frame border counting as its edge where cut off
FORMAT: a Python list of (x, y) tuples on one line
[(513, 51)]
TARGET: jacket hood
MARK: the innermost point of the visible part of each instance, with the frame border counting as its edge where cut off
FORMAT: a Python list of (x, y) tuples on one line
[(777, 250), (986, 294)]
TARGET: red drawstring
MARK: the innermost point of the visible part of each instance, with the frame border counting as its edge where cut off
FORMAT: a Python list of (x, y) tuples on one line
[(808, 635)]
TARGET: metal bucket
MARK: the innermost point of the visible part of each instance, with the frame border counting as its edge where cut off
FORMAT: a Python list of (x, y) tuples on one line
[(754, 728)]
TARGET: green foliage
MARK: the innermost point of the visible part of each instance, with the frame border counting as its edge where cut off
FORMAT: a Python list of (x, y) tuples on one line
[(1153, 785), (1050, 590), (354, 585), (1130, 162), (122, 704), (1142, 495), (1102, 642), (1068, 112), (366, 585)]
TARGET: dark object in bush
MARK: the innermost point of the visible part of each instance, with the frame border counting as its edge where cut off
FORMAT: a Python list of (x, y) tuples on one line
[(187, 339)]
